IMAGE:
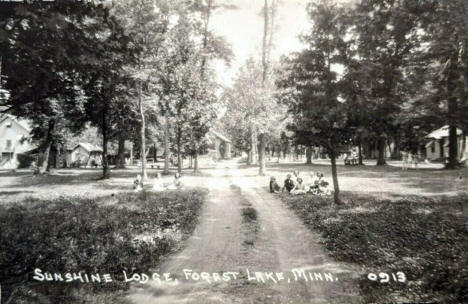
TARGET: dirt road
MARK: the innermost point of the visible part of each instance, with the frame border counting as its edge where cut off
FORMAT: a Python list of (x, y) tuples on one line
[(289, 260)]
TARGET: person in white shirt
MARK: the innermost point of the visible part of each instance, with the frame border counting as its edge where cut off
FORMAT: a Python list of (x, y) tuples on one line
[(137, 184), (158, 185), (177, 183)]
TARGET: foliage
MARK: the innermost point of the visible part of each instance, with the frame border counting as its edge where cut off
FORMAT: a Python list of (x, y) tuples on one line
[(24, 160), (75, 234), (441, 65), (249, 214), (62, 61), (424, 238), (312, 89), (251, 106)]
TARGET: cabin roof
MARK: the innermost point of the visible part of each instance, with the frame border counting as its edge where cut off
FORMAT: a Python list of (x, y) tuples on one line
[(442, 132), (220, 136), (88, 147)]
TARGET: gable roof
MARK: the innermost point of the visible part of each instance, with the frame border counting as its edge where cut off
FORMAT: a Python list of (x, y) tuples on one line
[(442, 132), (88, 147), (220, 136), (20, 122)]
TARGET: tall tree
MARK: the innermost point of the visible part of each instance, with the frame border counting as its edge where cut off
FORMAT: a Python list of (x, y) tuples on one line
[(49, 50), (213, 47), (269, 13), (312, 88), (147, 22), (445, 58), (385, 34)]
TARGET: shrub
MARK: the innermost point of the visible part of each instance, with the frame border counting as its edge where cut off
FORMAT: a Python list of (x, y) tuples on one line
[(426, 239), (249, 214), (72, 235), (24, 160)]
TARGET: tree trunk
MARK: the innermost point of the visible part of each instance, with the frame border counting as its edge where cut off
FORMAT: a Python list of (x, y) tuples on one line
[(261, 155), (336, 187), (463, 147), (360, 152), (381, 147), (264, 42), (142, 136), (278, 152), (452, 111), (179, 154), (105, 165), (309, 155), (131, 154), (396, 150), (155, 154), (453, 148), (48, 145), (249, 157), (166, 148), (121, 153), (195, 161), (253, 146)]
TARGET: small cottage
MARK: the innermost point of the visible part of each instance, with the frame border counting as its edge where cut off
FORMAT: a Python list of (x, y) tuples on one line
[(220, 146), (84, 155), (438, 145), (14, 140)]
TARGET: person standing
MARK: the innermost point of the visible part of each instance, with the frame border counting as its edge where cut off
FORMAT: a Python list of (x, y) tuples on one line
[(404, 158)]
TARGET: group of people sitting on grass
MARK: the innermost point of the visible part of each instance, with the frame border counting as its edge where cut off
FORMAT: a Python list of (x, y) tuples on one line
[(158, 184), (296, 185), (351, 158)]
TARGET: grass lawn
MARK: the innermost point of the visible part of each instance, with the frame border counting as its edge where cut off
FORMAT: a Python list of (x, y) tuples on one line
[(129, 232), (424, 238)]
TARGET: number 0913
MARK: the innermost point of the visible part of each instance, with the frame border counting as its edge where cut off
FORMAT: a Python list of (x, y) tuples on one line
[(383, 277)]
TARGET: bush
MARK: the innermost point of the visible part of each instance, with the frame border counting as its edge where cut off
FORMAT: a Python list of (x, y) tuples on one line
[(24, 160), (426, 239), (249, 214), (72, 235)]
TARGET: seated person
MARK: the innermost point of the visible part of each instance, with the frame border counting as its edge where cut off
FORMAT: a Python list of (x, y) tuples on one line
[(158, 183), (288, 184), (346, 159), (354, 158), (137, 184), (296, 175), (320, 186), (274, 187), (177, 183), (94, 163), (35, 168), (300, 187)]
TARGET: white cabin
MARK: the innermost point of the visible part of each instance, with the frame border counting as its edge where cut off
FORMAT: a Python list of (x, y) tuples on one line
[(14, 139)]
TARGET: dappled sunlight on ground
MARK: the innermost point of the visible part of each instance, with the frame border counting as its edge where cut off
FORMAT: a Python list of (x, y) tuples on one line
[(390, 182)]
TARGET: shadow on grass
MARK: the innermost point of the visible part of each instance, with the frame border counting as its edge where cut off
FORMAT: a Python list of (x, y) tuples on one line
[(14, 192), (424, 238), (428, 180), (83, 176)]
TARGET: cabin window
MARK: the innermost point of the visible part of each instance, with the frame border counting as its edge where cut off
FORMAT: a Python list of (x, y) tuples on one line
[(8, 143), (433, 147)]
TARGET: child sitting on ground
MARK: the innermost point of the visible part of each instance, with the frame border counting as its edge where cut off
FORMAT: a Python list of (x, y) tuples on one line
[(274, 187), (177, 183), (137, 184), (158, 185), (319, 185), (288, 184), (299, 188)]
